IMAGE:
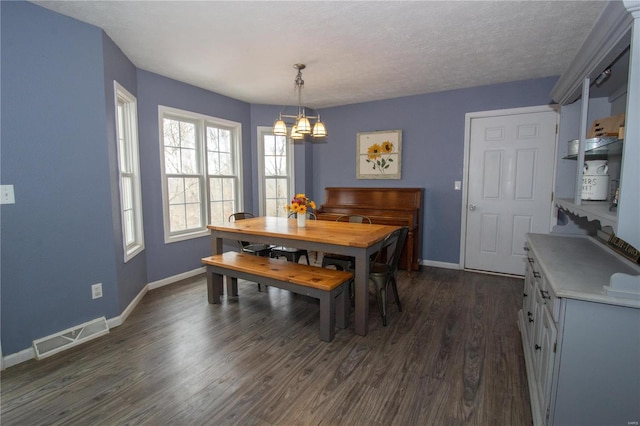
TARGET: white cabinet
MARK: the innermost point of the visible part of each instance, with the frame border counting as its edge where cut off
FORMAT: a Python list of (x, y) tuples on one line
[(581, 346), (614, 40), (539, 337)]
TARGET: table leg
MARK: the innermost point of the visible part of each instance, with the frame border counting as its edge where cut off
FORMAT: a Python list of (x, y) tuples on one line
[(361, 291), (214, 281)]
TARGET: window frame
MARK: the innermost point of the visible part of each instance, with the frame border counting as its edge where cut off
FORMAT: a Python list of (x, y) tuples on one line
[(261, 131), (201, 121), (131, 156)]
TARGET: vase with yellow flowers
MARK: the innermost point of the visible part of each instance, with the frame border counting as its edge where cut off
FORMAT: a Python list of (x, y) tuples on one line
[(301, 204)]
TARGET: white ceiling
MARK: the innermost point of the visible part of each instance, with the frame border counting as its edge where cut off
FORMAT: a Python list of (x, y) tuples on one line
[(355, 51)]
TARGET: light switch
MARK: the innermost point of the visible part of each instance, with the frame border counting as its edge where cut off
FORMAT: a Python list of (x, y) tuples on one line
[(457, 185), (6, 194)]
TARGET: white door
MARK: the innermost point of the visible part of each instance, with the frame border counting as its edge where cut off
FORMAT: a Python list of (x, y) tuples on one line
[(510, 182)]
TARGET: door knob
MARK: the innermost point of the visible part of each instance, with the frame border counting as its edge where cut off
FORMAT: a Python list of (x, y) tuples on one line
[(472, 207)]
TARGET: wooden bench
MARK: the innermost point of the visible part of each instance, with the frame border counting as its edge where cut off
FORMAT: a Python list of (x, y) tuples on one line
[(328, 285)]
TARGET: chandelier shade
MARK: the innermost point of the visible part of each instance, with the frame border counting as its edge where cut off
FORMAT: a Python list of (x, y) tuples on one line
[(302, 124), (279, 127)]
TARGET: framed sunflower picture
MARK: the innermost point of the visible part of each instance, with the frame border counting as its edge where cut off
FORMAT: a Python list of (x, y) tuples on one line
[(379, 155)]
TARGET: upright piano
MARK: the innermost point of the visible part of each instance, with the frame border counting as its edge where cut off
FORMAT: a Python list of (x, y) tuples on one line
[(386, 206)]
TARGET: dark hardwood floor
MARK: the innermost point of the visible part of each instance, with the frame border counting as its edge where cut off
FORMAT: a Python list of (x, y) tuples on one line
[(452, 357)]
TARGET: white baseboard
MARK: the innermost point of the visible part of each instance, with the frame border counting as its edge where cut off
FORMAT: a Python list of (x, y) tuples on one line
[(27, 354), (436, 264), (175, 278), (18, 357), (120, 319)]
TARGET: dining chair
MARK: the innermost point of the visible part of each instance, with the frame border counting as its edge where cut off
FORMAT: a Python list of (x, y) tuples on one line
[(292, 254), (383, 273), (256, 249), (341, 261)]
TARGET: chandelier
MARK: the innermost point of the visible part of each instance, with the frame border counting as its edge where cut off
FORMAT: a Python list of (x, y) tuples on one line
[(301, 125)]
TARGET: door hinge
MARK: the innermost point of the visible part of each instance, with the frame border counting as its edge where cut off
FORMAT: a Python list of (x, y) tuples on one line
[(555, 345), (556, 129), (552, 196)]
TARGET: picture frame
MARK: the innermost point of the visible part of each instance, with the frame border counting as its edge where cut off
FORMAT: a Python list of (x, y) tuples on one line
[(379, 155)]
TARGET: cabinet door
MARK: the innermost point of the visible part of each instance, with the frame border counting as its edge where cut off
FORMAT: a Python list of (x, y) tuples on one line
[(528, 302), (546, 349)]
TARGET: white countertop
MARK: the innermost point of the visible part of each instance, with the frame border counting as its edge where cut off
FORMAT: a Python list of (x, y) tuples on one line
[(578, 267)]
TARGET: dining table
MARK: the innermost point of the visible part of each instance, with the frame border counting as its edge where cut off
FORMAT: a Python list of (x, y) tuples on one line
[(357, 240)]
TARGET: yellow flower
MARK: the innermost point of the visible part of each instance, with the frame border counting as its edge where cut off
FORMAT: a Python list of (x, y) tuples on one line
[(387, 147), (374, 151), (300, 204)]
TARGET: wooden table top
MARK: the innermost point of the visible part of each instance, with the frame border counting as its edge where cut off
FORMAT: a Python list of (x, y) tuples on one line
[(321, 231)]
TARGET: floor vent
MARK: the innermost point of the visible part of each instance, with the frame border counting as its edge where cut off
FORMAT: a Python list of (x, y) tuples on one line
[(70, 337)]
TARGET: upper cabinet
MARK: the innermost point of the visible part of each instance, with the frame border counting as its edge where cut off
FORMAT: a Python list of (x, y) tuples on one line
[(604, 80)]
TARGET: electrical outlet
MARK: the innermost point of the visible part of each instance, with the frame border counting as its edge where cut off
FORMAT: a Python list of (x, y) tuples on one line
[(96, 291), (457, 185), (6, 194)]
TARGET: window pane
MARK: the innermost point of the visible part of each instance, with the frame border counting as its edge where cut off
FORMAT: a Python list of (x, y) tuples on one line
[(226, 166), (171, 160), (224, 138), (177, 218), (212, 139), (269, 144), (189, 161), (281, 145), (270, 166), (192, 190), (127, 193), (171, 133), (129, 234), (271, 207), (193, 215), (216, 214), (175, 190), (215, 189), (228, 189), (187, 135), (283, 184)]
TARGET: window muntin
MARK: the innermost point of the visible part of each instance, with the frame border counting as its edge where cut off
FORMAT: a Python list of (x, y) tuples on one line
[(201, 169), (129, 172)]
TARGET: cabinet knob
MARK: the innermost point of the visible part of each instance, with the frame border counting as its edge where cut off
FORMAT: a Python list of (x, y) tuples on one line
[(538, 347), (545, 294), (525, 295), (536, 274)]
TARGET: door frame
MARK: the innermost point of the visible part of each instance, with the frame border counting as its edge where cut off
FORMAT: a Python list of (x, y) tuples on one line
[(465, 170)]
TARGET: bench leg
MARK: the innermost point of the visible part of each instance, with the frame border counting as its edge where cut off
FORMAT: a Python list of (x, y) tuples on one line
[(343, 306), (214, 286), (327, 316), (232, 286)]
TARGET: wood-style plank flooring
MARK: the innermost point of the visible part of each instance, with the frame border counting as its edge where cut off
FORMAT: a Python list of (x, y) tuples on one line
[(452, 357)]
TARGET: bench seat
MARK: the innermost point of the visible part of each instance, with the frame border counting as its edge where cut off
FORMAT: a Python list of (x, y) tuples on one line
[(331, 287)]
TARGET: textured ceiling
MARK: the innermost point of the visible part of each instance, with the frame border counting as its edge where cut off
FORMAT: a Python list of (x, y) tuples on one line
[(355, 51)]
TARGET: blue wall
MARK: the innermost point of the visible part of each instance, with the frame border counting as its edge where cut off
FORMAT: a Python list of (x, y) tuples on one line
[(131, 276), (59, 150), (432, 149), (164, 260), (57, 239)]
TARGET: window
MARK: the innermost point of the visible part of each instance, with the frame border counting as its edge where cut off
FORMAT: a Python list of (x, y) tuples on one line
[(129, 172), (201, 172), (275, 172)]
